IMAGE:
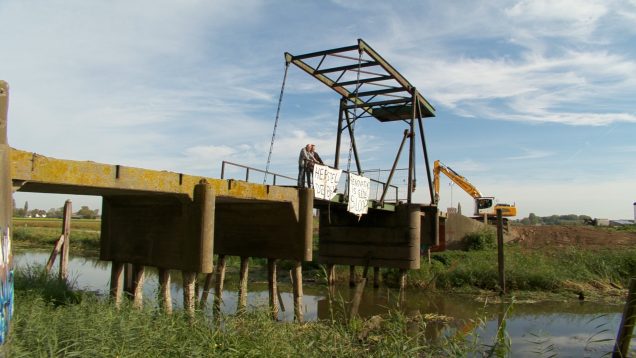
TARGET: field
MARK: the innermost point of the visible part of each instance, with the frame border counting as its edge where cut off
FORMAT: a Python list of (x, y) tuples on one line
[(42, 233)]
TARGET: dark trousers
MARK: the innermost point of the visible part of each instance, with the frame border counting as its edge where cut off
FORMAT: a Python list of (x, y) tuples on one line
[(304, 176)]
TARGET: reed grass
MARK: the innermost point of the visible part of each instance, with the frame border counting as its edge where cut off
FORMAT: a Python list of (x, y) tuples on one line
[(53, 319)]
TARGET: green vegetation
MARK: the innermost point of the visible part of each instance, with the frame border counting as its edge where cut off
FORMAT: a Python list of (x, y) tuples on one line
[(47, 324), (558, 271), (480, 240), (42, 233)]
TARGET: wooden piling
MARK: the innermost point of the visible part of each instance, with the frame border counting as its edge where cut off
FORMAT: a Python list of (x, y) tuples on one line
[(56, 250), (500, 252), (298, 291), (164, 291), (273, 287), (116, 282), (128, 280), (352, 276), (242, 296), (218, 286), (206, 290), (376, 277), (402, 279), (626, 329), (138, 285), (331, 274), (66, 231), (189, 279), (357, 297)]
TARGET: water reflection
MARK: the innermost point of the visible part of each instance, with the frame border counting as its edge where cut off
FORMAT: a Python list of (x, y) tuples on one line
[(569, 326)]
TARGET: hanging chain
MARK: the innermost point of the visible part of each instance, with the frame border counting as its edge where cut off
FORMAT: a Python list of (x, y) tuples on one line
[(271, 145)]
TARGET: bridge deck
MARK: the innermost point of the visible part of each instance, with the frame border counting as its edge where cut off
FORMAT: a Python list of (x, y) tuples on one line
[(32, 172)]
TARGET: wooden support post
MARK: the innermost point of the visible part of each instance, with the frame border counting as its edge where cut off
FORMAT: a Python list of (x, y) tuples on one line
[(273, 287), (189, 279), (500, 252), (242, 296), (138, 285), (206, 290), (116, 279), (352, 276), (357, 297), (66, 231), (331, 274), (164, 291), (218, 287), (376, 277), (402, 279), (128, 280), (626, 329), (298, 291), (54, 253)]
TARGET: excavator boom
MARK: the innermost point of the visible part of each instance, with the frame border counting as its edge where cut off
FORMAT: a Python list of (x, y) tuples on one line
[(483, 205), (456, 178)]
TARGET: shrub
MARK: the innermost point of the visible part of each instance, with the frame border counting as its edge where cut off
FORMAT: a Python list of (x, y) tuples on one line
[(480, 240)]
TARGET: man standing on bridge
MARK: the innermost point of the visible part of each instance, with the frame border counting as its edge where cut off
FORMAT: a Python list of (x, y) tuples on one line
[(304, 173)]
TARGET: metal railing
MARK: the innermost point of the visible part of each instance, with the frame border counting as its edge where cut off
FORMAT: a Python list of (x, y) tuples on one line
[(251, 169), (275, 176)]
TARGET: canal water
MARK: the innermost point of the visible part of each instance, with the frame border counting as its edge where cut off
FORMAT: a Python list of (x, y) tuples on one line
[(568, 329)]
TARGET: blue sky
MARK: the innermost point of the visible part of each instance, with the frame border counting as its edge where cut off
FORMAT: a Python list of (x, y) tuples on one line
[(534, 99)]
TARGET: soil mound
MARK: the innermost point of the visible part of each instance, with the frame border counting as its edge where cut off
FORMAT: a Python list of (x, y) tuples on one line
[(588, 237)]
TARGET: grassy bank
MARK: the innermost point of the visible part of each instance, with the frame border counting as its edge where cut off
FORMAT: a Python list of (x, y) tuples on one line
[(53, 320), (565, 271), (42, 233), (568, 271)]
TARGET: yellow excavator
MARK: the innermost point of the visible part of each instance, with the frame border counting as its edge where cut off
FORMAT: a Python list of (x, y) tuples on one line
[(484, 206)]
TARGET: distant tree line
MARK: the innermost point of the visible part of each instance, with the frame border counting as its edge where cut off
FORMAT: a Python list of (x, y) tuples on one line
[(84, 212), (571, 219)]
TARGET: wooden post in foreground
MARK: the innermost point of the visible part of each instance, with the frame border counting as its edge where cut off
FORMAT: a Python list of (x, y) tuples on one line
[(218, 286), (297, 278), (66, 231), (626, 329), (500, 252), (273, 287), (116, 282), (54, 253), (189, 279), (242, 296), (164, 291)]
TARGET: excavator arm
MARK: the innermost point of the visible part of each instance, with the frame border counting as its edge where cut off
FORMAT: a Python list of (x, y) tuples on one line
[(456, 178)]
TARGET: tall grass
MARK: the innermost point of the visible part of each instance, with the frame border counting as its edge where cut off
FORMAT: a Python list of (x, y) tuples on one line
[(526, 269), (47, 323)]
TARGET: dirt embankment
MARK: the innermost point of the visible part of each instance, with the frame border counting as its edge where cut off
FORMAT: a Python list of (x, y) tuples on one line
[(587, 237)]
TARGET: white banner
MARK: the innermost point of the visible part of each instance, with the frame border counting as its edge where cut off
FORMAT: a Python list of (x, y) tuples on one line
[(325, 181), (358, 194)]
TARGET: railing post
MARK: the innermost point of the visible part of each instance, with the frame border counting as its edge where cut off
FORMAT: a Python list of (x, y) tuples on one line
[(223, 169), (247, 174)]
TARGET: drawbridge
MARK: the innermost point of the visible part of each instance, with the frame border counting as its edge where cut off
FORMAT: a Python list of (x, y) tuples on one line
[(176, 221)]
